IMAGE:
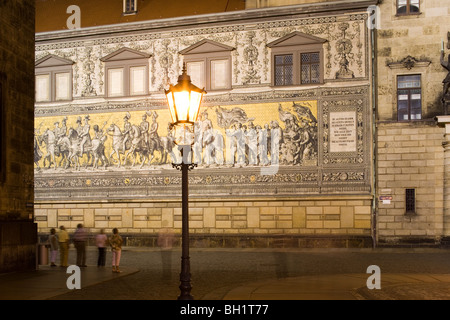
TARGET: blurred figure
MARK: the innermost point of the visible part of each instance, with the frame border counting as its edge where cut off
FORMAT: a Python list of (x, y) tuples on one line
[(115, 241), (101, 240), (63, 241), (53, 246), (165, 242), (280, 258), (80, 239)]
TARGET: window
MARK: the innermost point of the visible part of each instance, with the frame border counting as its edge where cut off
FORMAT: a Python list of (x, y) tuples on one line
[(42, 87), (53, 79), (310, 67), (409, 98), (410, 201), (297, 60), (284, 71), (126, 73), (129, 6), (115, 82), (208, 63), (405, 7)]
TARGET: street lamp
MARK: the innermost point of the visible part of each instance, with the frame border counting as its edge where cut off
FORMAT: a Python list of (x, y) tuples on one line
[(184, 103)]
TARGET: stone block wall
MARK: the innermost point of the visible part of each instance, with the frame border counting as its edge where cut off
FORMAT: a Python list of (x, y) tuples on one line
[(327, 217), (410, 155), (18, 232)]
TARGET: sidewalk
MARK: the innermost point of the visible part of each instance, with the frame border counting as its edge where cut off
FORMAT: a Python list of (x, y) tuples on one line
[(48, 282), (342, 287)]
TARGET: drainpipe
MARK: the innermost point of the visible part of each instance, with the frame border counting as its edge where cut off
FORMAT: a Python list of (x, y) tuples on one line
[(373, 39)]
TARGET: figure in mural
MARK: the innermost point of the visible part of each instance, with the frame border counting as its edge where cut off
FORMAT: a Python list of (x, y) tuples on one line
[(126, 131), (98, 147), (167, 146), (197, 147), (276, 136), (79, 127), (153, 133), (117, 143), (144, 126), (238, 134), (63, 128), (37, 150), (134, 135), (262, 145), (213, 144), (48, 137), (231, 145), (252, 144), (85, 136)]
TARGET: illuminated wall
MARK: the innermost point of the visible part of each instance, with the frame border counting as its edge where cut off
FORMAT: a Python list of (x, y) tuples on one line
[(315, 179)]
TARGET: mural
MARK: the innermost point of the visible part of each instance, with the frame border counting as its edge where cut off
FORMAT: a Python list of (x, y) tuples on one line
[(233, 136)]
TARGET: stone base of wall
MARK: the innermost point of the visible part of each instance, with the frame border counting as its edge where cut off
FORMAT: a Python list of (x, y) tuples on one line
[(18, 241), (414, 242), (247, 241)]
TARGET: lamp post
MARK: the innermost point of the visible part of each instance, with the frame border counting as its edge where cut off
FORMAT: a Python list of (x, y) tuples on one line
[(184, 103)]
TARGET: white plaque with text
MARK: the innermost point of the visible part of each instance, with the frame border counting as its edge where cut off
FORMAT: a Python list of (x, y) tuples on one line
[(343, 131)]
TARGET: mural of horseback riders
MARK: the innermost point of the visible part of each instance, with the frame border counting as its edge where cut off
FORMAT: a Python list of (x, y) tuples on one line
[(231, 138)]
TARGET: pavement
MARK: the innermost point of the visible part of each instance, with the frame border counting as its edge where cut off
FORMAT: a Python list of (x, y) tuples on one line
[(48, 282)]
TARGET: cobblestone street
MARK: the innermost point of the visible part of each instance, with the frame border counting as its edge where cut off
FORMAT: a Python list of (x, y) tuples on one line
[(217, 271)]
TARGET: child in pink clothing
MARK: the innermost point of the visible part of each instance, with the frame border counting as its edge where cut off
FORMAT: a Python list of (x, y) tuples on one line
[(101, 241)]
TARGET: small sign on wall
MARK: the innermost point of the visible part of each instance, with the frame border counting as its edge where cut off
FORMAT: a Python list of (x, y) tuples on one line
[(386, 199)]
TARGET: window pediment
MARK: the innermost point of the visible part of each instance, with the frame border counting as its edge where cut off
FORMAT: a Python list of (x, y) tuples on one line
[(125, 54), (52, 60), (296, 39), (206, 46)]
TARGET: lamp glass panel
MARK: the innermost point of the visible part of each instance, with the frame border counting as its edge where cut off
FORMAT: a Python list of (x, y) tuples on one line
[(182, 104), (170, 101), (196, 98)]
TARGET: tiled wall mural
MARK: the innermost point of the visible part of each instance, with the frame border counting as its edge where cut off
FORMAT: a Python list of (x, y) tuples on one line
[(252, 140)]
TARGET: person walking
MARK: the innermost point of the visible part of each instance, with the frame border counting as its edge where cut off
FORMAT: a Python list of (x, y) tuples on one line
[(80, 240), (100, 240), (166, 239), (63, 241), (53, 246), (115, 242)]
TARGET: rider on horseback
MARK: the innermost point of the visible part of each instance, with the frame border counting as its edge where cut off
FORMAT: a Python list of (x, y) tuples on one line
[(85, 136)]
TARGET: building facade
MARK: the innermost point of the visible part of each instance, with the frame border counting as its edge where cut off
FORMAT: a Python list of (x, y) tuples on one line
[(411, 181), (18, 231), (283, 143)]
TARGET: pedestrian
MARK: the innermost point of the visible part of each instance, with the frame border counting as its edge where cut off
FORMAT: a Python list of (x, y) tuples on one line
[(80, 240), (53, 246), (115, 241), (63, 241), (166, 239), (100, 240)]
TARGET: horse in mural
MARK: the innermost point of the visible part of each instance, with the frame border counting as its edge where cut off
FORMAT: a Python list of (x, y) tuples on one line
[(117, 143), (63, 144), (75, 153)]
